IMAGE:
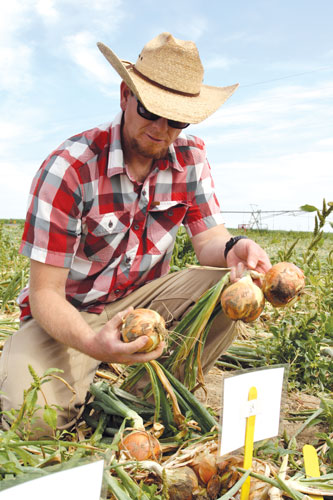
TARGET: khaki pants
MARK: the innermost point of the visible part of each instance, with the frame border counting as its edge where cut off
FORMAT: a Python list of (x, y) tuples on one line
[(172, 296)]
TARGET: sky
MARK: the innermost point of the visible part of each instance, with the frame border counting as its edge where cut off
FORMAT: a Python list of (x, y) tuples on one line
[(270, 146)]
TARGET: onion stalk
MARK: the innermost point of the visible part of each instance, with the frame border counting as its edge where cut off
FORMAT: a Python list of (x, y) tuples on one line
[(113, 405)]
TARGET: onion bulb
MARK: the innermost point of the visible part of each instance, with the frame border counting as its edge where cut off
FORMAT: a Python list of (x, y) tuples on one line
[(182, 482), (204, 465), (243, 300), (144, 322), (214, 486), (140, 445), (282, 283)]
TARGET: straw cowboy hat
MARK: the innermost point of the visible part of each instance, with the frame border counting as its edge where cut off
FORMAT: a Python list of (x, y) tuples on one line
[(167, 78)]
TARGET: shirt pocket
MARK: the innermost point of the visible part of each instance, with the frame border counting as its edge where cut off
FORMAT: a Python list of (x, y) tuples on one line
[(105, 235), (163, 222)]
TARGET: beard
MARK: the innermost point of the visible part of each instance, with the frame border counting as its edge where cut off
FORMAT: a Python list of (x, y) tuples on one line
[(153, 152)]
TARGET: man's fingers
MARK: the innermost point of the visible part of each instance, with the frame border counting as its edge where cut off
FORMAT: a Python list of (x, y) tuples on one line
[(237, 272), (144, 357), (118, 318), (257, 258), (135, 345)]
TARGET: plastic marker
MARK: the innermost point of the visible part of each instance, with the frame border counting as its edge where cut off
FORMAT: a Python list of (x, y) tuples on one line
[(249, 439), (311, 465)]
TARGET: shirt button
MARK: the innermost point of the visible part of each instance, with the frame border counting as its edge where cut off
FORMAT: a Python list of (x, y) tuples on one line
[(110, 223), (136, 227), (117, 291), (144, 192), (128, 260)]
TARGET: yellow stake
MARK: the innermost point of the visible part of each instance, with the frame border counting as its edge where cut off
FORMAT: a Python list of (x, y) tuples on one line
[(248, 447), (311, 465)]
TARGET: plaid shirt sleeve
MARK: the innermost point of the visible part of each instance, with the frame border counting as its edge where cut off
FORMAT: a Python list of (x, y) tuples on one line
[(204, 210), (53, 221)]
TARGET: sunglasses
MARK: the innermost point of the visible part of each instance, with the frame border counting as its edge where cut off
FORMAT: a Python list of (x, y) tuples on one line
[(144, 113)]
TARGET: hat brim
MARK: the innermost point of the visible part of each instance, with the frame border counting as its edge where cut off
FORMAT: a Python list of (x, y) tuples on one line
[(172, 105)]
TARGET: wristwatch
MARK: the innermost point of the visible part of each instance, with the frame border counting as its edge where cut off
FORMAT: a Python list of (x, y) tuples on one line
[(231, 243)]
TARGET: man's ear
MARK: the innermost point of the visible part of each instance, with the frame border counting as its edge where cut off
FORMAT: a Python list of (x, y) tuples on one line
[(125, 94)]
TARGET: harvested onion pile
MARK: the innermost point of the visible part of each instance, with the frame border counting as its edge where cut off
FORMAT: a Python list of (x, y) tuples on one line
[(144, 322)]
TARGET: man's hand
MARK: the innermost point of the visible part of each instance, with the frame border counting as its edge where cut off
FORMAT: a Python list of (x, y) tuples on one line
[(109, 347), (247, 254), (64, 323)]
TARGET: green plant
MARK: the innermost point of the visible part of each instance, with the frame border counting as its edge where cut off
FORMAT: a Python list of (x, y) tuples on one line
[(320, 221), (13, 267), (23, 419), (183, 252)]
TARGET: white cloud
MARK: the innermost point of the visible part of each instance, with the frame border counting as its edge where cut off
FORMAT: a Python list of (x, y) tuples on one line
[(21, 127), (10, 130), (82, 49), (47, 11), (18, 177), (15, 55), (15, 63), (15, 188), (13, 16), (326, 142), (103, 6), (103, 16), (284, 182), (280, 108)]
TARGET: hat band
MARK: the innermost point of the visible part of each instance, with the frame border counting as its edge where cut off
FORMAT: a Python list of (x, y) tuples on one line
[(156, 84)]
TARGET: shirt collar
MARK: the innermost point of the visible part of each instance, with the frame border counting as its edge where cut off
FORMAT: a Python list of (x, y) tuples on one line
[(116, 163)]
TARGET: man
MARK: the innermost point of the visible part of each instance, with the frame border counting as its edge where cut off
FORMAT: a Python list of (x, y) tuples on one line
[(104, 211)]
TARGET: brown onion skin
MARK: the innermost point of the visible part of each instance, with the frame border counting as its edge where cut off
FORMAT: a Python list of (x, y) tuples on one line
[(144, 322), (214, 486), (243, 300), (182, 482), (282, 283), (140, 445), (204, 465)]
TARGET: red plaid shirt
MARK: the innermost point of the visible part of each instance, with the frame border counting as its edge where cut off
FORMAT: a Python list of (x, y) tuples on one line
[(87, 214)]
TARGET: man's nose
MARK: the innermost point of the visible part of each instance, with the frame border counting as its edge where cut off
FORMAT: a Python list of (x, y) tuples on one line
[(161, 123)]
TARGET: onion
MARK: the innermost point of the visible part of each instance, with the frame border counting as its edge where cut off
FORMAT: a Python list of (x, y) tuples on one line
[(282, 283), (243, 300), (214, 486), (181, 482), (144, 322), (140, 445), (204, 465)]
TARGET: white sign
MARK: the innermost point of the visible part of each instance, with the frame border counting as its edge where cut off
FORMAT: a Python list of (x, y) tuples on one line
[(83, 482), (237, 407)]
